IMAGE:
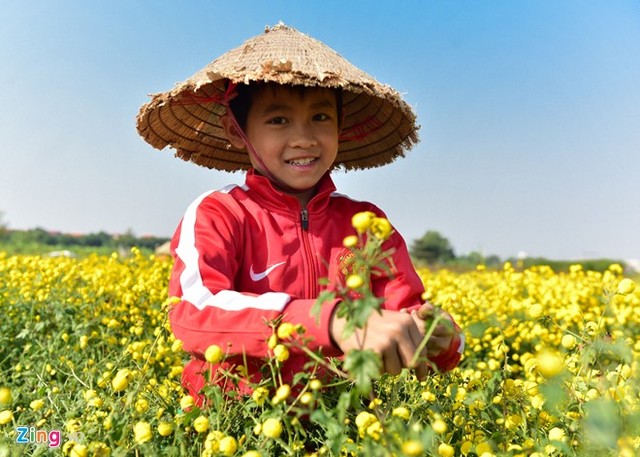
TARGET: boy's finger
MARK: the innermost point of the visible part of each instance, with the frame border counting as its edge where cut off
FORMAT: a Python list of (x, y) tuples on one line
[(426, 311), (438, 344), (444, 328), (416, 336), (391, 361), (421, 370), (418, 321)]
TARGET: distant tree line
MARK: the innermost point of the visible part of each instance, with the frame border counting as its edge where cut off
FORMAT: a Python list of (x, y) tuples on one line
[(433, 249), (32, 239)]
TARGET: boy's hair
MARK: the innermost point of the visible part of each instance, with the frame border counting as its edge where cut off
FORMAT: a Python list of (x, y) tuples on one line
[(241, 103)]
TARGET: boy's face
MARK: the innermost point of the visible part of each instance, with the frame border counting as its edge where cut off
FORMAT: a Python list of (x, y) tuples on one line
[(294, 132)]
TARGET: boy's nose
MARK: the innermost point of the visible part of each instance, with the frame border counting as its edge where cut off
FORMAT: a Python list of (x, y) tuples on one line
[(302, 137)]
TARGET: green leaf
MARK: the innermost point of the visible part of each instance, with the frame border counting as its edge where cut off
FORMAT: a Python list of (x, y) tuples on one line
[(316, 309), (361, 309), (555, 394), (618, 351), (335, 438), (364, 366), (477, 329), (602, 426)]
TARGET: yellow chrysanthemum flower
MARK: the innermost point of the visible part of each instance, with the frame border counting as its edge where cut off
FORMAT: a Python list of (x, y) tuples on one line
[(213, 354), (142, 432), (625, 287), (6, 416), (362, 221), (272, 428), (121, 380), (354, 281), (201, 424), (5, 396), (381, 228), (285, 330), (445, 450), (165, 428), (228, 445)]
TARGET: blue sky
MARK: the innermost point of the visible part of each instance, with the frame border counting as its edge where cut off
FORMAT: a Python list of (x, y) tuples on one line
[(530, 114)]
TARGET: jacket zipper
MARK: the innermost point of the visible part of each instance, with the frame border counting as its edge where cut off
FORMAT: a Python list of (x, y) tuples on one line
[(312, 284)]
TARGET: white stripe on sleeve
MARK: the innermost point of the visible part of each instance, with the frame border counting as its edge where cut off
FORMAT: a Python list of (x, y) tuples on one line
[(193, 288), (462, 342)]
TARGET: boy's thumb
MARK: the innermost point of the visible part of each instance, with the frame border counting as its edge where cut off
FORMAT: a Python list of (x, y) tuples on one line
[(426, 311)]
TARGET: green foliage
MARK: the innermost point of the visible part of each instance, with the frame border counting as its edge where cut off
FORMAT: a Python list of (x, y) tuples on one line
[(358, 302), (41, 241), (3, 228), (364, 366), (599, 265), (70, 325), (602, 425), (432, 248)]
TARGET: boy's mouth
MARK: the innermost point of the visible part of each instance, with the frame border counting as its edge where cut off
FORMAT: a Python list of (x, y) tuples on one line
[(302, 161)]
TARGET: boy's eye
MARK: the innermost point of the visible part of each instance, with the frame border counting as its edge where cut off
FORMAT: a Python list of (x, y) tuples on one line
[(321, 117), (279, 120)]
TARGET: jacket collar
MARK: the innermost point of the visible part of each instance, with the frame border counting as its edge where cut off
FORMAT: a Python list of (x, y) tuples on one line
[(276, 199)]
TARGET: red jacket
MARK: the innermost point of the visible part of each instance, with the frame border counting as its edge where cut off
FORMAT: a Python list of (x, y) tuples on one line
[(245, 255)]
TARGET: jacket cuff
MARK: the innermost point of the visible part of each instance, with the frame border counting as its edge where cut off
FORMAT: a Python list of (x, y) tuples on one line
[(316, 329)]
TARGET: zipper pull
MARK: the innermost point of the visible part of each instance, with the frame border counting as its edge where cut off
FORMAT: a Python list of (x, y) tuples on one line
[(304, 219)]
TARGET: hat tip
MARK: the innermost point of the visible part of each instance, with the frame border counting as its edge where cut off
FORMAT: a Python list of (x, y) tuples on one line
[(279, 26)]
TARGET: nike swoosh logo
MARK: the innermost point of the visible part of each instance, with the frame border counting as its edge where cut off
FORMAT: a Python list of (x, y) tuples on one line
[(258, 276)]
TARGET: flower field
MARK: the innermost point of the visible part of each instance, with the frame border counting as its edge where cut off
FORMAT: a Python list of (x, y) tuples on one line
[(88, 366)]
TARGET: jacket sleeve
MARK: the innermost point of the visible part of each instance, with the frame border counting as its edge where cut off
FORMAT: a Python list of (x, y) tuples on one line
[(207, 249), (403, 289)]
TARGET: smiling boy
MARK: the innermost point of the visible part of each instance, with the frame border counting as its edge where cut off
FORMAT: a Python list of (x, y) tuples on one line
[(288, 109), (296, 130)]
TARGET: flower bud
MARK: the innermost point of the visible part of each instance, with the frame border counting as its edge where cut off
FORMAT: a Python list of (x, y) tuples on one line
[(568, 342), (354, 281), (213, 354), (381, 228), (142, 432), (272, 428), (285, 330), (121, 380), (550, 363), (362, 221), (350, 241), (201, 424), (165, 428), (281, 352), (625, 287)]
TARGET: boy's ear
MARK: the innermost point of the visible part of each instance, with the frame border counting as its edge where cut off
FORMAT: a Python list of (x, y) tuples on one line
[(232, 134)]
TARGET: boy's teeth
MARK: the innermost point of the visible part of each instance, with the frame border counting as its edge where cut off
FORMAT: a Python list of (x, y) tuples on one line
[(306, 161)]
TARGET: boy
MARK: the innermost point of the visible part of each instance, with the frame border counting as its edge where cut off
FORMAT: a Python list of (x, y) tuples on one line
[(289, 109)]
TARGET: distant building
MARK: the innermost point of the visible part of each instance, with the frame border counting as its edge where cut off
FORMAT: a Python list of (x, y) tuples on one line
[(63, 253), (633, 265), (163, 249)]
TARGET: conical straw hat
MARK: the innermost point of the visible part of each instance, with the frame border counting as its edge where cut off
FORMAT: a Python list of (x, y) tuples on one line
[(378, 127)]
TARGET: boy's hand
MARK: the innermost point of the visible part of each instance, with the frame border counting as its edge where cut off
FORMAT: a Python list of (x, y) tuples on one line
[(393, 335), (442, 335)]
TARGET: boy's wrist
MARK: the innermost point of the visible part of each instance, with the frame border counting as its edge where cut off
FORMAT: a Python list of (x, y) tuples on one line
[(318, 328)]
